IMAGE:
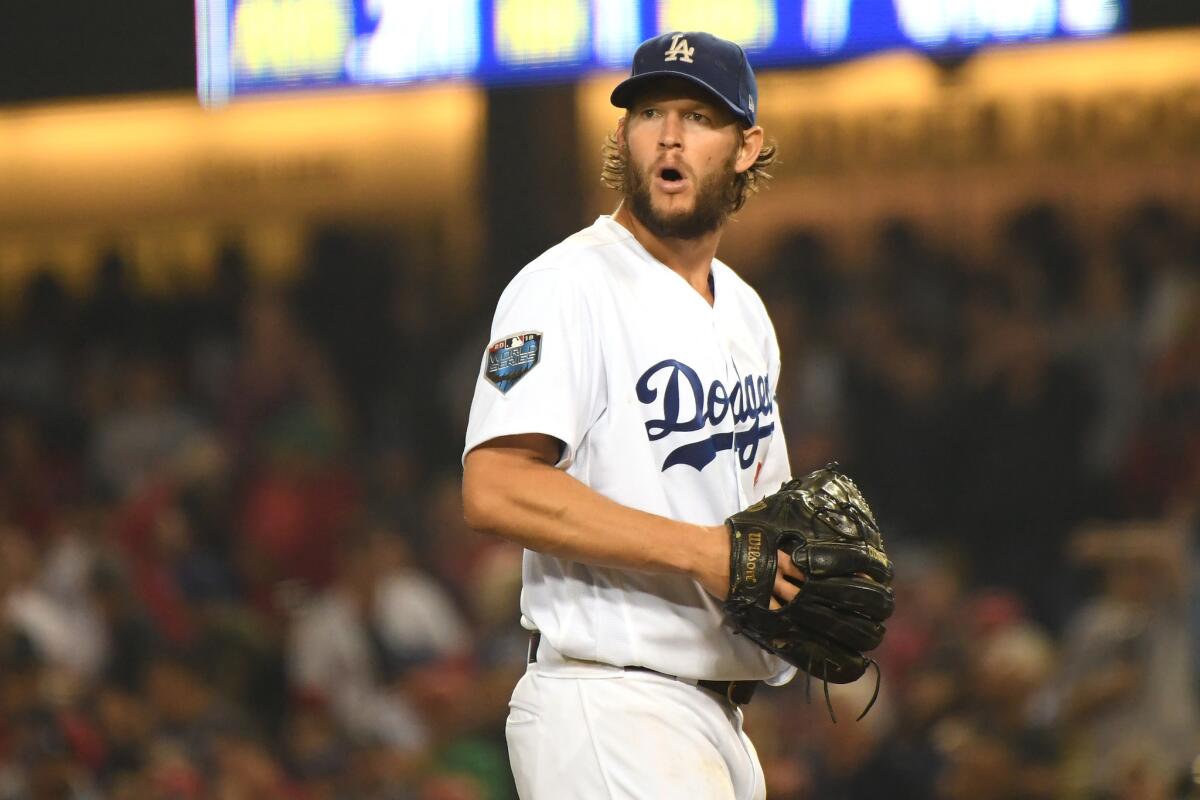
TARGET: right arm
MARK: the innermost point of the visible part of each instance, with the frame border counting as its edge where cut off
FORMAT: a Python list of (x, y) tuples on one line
[(512, 489)]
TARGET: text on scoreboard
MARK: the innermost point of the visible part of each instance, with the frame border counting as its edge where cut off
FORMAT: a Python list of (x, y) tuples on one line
[(254, 46)]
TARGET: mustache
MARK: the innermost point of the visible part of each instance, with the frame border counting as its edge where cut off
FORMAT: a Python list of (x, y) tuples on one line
[(714, 198)]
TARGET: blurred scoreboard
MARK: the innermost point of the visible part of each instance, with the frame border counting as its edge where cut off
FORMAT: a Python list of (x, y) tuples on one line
[(257, 46)]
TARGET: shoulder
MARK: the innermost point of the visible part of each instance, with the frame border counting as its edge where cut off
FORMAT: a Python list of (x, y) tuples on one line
[(744, 296), (751, 313), (573, 265)]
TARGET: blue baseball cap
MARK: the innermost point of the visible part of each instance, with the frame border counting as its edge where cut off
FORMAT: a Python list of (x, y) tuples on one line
[(715, 64)]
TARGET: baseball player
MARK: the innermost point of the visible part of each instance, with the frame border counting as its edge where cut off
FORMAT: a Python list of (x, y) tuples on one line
[(625, 408)]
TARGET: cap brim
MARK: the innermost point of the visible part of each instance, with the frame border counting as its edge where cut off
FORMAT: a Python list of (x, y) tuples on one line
[(622, 95)]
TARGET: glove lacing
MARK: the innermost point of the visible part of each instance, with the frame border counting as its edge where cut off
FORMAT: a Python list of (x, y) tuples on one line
[(825, 680)]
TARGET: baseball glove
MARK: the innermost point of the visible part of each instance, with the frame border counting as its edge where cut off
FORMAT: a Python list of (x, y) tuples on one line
[(825, 524)]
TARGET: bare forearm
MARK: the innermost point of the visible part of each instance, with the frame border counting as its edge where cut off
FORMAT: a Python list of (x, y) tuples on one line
[(544, 509)]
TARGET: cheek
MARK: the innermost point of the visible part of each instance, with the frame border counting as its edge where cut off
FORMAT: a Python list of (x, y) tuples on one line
[(642, 152), (640, 137), (718, 152), (642, 145)]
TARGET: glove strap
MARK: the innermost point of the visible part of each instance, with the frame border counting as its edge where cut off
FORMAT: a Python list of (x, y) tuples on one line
[(752, 562)]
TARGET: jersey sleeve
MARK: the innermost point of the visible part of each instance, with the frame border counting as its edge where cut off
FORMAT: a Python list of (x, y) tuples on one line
[(542, 371)]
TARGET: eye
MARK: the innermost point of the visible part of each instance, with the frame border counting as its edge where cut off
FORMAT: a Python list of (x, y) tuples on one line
[(648, 113), (696, 116)]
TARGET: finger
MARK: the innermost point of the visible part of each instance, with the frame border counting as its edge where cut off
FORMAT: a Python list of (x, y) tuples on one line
[(789, 568), (784, 590)]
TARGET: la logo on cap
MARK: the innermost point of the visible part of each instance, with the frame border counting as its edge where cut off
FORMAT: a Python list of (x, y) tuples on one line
[(679, 49)]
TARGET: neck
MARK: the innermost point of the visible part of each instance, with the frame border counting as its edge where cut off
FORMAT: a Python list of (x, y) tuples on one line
[(691, 259)]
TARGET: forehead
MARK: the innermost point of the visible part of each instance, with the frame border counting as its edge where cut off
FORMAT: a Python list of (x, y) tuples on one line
[(669, 89)]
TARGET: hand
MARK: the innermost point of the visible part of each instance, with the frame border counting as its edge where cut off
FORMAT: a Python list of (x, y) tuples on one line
[(712, 569), (788, 581), (806, 604)]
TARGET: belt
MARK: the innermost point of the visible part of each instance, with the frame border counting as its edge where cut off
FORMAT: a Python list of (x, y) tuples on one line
[(737, 692)]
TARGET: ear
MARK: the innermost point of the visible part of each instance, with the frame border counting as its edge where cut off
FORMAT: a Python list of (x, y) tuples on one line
[(752, 144)]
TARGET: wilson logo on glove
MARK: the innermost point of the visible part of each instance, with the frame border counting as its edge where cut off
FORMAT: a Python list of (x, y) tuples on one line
[(753, 554)]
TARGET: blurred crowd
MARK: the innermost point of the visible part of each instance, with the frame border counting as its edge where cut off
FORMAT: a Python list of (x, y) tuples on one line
[(1026, 423), (233, 562)]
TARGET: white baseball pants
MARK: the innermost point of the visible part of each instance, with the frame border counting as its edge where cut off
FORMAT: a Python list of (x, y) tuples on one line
[(587, 731)]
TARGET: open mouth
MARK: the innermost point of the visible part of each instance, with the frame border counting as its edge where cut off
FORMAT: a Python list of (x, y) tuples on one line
[(670, 175)]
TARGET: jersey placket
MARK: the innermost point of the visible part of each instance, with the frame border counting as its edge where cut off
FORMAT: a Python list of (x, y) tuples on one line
[(731, 377), (722, 363)]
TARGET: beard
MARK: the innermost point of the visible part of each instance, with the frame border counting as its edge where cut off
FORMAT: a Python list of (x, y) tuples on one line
[(712, 206)]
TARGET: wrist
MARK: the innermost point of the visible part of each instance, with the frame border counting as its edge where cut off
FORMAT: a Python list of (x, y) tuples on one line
[(709, 559)]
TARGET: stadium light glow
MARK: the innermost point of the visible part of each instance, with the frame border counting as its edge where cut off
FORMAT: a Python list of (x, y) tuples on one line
[(616, 30), (531, 31), (290, 39), (935, 23), (750, 23), (1090, 17), (414, 39), (826, 24)]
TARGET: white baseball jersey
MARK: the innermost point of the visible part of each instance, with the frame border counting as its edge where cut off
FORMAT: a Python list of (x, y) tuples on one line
[(663, 403)]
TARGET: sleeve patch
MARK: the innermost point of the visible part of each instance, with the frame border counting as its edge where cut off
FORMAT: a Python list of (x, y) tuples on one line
[(511, 358)]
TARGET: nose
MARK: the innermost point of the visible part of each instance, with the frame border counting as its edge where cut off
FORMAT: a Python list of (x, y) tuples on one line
[(671, 134)]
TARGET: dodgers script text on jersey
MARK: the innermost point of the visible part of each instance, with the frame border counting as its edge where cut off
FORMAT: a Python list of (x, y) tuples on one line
[(690, 408)]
